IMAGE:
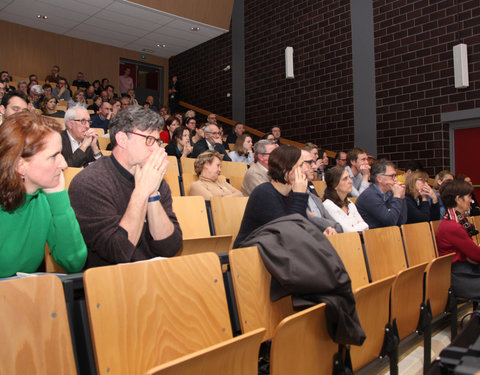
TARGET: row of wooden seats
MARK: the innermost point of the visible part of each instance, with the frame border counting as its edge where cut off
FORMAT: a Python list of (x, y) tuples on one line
[(143, 315)]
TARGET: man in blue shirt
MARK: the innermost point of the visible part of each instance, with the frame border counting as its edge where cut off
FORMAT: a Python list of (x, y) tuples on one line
[(102, 120), (383, 204)]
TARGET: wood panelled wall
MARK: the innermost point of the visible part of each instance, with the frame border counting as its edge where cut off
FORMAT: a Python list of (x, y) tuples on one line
[(25, 50)]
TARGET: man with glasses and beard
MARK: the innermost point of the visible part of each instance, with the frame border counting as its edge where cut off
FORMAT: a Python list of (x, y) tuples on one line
[(122, 202)]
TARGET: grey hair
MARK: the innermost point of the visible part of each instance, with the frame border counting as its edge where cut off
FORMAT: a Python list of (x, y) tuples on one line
[(207, 128), (72, 113), (134, 117), (37, 88), (379, 168), (261, 146)]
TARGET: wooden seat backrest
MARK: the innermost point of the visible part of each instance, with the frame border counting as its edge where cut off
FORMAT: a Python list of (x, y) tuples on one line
[(236, 182), (231, 168), (172, 181), (228, 214), (301, 344), (192, 215), (385, 253), (69, 173), (187, 165), (99, 131), (251, 282), (319, 187), (418, 242), (475, 238), (237, 356), (103, 142), (437, 283), (188, 179), (434, 227), (406, 299), (349, 248), (173, 165), (144, 314), (34, 330), (373, 309)]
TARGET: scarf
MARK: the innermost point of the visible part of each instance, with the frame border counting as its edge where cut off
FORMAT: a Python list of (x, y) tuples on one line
[(452, 214)]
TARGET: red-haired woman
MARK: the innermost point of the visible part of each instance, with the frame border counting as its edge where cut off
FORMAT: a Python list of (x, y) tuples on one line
[(35, 208)]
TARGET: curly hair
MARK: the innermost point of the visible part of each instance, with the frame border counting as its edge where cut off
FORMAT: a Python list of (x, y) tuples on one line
[(205, 157), (22, 135)]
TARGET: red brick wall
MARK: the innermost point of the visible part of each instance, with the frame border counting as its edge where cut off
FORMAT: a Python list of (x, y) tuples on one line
[(414, 73)]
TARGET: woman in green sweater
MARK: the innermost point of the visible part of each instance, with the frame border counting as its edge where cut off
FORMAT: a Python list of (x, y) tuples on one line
[(35, 208)]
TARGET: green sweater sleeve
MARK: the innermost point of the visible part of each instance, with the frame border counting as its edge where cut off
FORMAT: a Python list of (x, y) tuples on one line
[(64, 236)]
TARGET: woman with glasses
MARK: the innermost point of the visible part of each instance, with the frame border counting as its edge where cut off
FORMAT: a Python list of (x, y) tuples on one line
[(342, 209), (35, 209), (454, 236), (422, 202)]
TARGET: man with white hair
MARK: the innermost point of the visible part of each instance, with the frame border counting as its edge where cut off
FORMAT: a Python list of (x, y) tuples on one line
[(36, 92), (258, 173), (212, 141), (79, 141)]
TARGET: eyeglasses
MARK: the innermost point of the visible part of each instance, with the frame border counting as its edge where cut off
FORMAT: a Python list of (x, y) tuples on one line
[(424, 180), (83, 121), (393, 176), (149, 140), (214, 133), (309, 161)]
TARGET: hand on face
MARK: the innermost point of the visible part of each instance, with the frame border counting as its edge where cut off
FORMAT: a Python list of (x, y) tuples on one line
[(90, 137), (365, 169), (149, 176), (398, 190), (299, 181)]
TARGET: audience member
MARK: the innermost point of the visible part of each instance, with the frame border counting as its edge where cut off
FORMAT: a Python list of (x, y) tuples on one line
[(454, 236), (79, 141), (179, 144), (179, 117), (440, 178), (125, 81), (3, 85), (238, 130), (47, 89), (129, 213), (36, 93), (49, 107), (284, 195), (170, 125), (212, 119), (359, 170), (410, 167), (163, 112), (269, 136), (116, 106), (146, 105), (474, 208), (131, 95), (191, 124), (90, 92), (212, 141), (4, 76), (151, 101), (258, 173), (208, 167), (61, 92), (102, 119), (125, 101), (110, 92), (105, 83), (95, 106), (322, 164), (342, 209), (54, 76), (23, 87), (80, 82), (199, 133), (33, 77), (174, 94), (341, 159), (97, 86), (35, 209), (277, 133), (190, 113), (78, 99), (422, 202), (242, 150), (383, 204), (13, 102), (316, 212)]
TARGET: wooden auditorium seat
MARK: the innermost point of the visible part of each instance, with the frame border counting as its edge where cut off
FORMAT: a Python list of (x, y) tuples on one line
[(172, 181), (34, 330), (192, 215), (237, 356), (69, 173), (228, 214), (418, 241), (99, 132), (103, 141), (319, 187), (236, 169), (434, 227), (300, 342), (144, 314), (173, 165), (187, 165), (377, 293)]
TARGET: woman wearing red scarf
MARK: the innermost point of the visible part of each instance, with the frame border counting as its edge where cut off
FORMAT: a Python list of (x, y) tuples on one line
[(454, 236)]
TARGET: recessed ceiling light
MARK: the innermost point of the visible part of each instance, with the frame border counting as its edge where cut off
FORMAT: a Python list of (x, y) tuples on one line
[(195, 28), (42, 17), (161, 45)]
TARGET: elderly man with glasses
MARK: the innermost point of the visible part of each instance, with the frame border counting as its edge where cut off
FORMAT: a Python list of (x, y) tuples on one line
[(212, 141), (383, 203), (79, 141), (258, 173), (122, 202)]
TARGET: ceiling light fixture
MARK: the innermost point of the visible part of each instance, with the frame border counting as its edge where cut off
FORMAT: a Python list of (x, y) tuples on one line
[(161, 45), (42, 17), (195, 28)]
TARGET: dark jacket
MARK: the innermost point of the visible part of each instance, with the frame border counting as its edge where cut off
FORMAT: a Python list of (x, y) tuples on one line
[(304, 264), (78, 158), (202, 146)]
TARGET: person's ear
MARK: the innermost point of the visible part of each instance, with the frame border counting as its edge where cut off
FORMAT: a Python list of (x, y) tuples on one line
[(121, 139), (22, 166)]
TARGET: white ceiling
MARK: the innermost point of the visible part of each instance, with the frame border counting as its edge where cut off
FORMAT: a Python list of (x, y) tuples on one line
[(118, 23)]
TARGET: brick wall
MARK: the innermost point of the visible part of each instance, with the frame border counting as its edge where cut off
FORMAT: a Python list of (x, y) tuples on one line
[(414, 73)]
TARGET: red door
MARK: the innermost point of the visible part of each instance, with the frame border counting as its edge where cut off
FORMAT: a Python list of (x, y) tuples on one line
[(467, 155)]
